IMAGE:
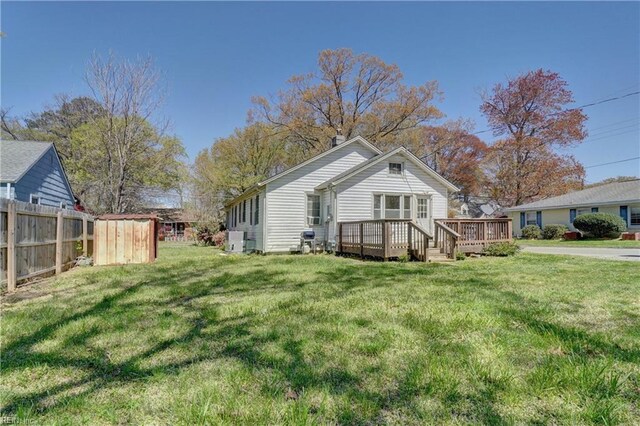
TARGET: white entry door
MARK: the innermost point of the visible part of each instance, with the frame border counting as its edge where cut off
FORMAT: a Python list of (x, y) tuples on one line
[(423, 213)]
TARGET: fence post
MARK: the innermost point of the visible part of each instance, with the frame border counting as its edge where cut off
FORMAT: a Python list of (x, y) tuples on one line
[(85, 237), (339, 237), (11, 246), (59, 239)]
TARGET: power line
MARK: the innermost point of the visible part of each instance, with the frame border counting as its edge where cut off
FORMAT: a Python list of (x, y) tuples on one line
[(616, 98), (613, 162)]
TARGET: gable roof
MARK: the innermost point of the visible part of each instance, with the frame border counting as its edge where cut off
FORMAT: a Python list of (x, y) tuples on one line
[(379, 158), (338, 147), (610, 193), (17, 158)]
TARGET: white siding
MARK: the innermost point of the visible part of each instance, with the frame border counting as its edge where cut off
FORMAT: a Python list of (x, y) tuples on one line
[(254, 232), (355, 195), (286, 196)]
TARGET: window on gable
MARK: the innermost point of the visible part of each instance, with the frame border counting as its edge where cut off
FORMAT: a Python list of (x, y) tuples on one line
[(395, 168), (34, 199), (313, 209), (634, 216)]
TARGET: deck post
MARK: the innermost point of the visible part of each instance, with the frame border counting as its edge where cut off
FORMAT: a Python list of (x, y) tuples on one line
[(361, 240), (85, 236), (510, 230), (409, 232), (12, 272), (59, 240), (485, 233)]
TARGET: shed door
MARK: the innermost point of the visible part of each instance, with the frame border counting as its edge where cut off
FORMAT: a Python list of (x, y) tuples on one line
[(423, 213)]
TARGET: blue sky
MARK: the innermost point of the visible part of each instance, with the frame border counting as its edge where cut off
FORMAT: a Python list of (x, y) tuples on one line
[(215, 56)]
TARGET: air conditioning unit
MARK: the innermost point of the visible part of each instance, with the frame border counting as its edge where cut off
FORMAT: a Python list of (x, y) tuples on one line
[(235, 242)]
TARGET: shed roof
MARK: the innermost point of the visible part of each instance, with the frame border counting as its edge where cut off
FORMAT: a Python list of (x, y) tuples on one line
[(126, 216), (610, 193), (17, 157)]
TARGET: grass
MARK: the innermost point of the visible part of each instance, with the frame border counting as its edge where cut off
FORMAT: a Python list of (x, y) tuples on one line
[(603, 243), (199, 338)]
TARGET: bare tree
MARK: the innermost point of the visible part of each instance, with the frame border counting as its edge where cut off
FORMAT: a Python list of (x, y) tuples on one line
[(357, 94), (136, 152)]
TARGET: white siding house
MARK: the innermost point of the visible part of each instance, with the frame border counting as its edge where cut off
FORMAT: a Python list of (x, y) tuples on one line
[(351, 181)]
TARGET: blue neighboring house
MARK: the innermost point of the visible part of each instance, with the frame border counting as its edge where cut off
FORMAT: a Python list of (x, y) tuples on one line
[(32, 172)]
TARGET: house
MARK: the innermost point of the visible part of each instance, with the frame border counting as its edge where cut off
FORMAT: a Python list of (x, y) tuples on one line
[(352, 180), (477, 207), (175, 224), (32, 172), (618, 198)]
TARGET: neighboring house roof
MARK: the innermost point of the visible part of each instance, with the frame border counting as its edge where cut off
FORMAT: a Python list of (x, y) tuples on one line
[(168, 214), (379, 158), (17, 158), (610, 193), (259, 185)]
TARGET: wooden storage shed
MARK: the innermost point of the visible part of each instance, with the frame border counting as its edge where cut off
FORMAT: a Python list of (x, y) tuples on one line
[(125, 238)]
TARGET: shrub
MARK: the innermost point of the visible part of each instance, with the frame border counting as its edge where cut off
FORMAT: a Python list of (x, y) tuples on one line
[(460, 255), (210, 238), (531, 232), (600, 224), (553, 232), (501, 249)]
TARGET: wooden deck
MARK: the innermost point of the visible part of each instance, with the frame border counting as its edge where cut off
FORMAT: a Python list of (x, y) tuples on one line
[(383, 239), (392, 238)]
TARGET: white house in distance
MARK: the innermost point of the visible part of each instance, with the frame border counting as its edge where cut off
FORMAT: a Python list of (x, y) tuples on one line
[(353, 180), (618, 198)]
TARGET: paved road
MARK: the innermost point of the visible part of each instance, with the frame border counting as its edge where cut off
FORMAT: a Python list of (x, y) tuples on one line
[(632, 254)]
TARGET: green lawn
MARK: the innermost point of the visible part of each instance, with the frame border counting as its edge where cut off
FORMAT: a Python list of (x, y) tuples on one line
[(199, 338), (580, 243)]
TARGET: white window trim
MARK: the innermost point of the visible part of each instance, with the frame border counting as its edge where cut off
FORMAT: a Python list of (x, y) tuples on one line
[(31, 197), (306, 209), (394, 194), (402, 167)]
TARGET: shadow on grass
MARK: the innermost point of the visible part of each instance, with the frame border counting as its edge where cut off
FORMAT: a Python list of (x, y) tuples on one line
[(193, 285)]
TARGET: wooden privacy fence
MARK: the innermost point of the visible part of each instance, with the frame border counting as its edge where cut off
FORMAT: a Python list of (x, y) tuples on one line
[(36, 240)]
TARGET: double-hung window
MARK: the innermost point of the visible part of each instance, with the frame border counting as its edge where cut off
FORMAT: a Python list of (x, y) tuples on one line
[(583, 211), (256, 214), (406, 208), (392, 207), (244, 211), (531, 218), (313, 209)]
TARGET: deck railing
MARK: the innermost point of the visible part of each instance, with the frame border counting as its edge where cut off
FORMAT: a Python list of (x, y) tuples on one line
[(393, 238), (383, 238), (471, 235)]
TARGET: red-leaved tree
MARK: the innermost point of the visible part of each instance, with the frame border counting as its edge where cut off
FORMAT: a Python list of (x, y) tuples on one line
[(530, 113), (456, 154)]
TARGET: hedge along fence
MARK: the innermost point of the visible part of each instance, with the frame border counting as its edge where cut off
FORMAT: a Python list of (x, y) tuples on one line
[(37, 240)]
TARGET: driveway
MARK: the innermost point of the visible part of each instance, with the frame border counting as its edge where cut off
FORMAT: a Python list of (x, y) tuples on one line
[(632, 254)]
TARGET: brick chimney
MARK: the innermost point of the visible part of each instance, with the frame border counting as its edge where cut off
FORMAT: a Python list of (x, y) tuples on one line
[(337, 139)]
